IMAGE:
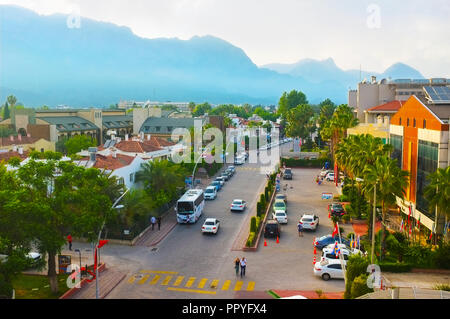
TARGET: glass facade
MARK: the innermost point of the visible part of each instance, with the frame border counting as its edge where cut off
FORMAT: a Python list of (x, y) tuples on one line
[(427, 163), (397, 142)]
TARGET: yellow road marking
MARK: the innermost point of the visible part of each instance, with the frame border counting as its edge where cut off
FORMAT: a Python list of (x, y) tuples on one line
[(192, 290), (214, 283), (143, 280), (158, 272), (155, 280), (238, 286), (178, 281), (251, 286), (202, 283), (226, 285), (132, 279), (190, 282), (166, 280)]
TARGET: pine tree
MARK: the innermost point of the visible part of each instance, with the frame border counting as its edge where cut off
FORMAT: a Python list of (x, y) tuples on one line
[(6, 114)]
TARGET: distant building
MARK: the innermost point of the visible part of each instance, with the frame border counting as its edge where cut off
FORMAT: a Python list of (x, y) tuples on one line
[(373, 93)]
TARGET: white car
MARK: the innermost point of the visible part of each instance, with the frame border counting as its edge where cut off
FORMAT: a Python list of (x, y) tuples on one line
[(324, 173), (210, 192), (211, 225), (280, 216), (238, 204), (309, 222), (329, 268), (239, 160), (330, 177)]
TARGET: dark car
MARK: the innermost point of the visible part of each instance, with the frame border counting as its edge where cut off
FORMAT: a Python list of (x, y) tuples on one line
[(225, 176), (336, 209), (287, 173), (272, 229), (328, 239)]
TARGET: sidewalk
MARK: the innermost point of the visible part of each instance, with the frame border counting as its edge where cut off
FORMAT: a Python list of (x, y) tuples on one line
[(153, 237), (107, 281)]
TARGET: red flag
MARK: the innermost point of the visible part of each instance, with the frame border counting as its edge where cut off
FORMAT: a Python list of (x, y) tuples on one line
[(102, 243), (335, 231)]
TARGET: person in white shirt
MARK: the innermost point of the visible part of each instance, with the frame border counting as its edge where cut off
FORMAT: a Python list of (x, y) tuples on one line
[(153, 220), (243, 266)]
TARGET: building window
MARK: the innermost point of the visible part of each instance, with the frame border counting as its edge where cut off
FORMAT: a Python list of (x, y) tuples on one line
[(427, 163), (157, 128), (397, 143), (414, 123), (424, 123), (132, 177), (407, 122), (400, 121)]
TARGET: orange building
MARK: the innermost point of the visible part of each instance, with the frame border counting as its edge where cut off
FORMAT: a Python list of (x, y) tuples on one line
[(419, 133)]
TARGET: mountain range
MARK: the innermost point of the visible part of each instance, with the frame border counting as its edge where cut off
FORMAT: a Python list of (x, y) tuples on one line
[(43, 61)]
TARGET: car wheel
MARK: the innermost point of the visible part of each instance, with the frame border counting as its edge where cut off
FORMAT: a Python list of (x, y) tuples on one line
[(326, 277)]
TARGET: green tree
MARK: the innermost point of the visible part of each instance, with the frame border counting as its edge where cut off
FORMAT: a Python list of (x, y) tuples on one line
[(289, 101), (78, 143), (6, 112), (299, 121), (162, 180), (356, 266), (201, 109), (6, 131), (12, 100)]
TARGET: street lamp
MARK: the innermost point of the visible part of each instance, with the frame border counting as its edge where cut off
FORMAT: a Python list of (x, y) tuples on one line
[(193, 171), (98, 241)]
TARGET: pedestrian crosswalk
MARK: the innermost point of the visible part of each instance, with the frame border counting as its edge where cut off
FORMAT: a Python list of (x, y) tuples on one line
[(178, 282)]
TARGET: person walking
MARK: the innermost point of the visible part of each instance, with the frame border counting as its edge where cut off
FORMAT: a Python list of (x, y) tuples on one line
[(237, 263), (69, 239), (159, 222), (300, 229), (243, 266), (153, 220)]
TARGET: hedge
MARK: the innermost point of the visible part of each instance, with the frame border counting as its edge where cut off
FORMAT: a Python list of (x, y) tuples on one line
[(395, 267), (359, 286), (253, 224), (293, 162), (251, 239)]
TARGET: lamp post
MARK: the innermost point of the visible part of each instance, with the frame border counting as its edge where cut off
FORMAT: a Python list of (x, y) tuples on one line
[(193, 171), (98, 242), (373, 221)]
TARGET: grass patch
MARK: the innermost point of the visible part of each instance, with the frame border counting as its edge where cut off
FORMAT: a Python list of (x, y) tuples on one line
[(24, 285), (270, 292)]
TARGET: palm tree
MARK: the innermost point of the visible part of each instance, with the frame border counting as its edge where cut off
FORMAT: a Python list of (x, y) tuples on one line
[(437, 192), (12, 100), (391, 182)]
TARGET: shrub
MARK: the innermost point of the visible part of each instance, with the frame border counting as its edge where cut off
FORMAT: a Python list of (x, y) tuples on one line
[(253, 224), (395, 267), (293, 162), (262, 199), (441, 257), (258, 209), (359, 286), (443, 287), (356, 266), (251, 239), (266, 193)]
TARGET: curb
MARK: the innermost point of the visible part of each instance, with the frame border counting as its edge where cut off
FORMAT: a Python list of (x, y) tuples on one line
[(112, 288), (163, 236), (68, 294)]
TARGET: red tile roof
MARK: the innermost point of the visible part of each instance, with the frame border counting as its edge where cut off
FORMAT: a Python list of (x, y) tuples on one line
[(6, 156), (146, 146), (111, 163), (6, 141), (388, 107)]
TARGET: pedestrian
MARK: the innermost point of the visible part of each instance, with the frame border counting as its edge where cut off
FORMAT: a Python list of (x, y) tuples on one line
[(237, 263), (300, 229), (153, 220), (243, 266), (69, 239), (159, 222)]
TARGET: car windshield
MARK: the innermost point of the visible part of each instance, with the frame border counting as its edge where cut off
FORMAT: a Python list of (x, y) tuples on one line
[(209, 190), (280, 197), (237, 202), (325, 237), (280, 214), (287, 171), (337, 206), (307, 220), (279, 204), (214, 183), (209, 223), (185, 208)]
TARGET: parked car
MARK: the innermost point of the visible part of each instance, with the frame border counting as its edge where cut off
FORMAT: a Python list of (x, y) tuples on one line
[(310, 222), (280, 216), (282, 197), (336, 209), (232, 168), (279, 205), (216, 184), (324, 172), (328, 251), (287, 173), (211, 225), (272, 229), (210, 192), (238, 204), (230, 172), (329, 268), (221, 180), (239, 160), (225, 176), (330, 177), (328, 239)]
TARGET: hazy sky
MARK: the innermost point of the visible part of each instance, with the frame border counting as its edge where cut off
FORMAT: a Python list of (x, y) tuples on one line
[(375, 33)]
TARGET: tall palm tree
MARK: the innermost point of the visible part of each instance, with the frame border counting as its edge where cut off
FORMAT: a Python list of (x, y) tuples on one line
[(391, 182), (437, 192)]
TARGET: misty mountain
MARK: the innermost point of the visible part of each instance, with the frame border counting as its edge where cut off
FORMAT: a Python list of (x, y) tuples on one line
[(43, 61)]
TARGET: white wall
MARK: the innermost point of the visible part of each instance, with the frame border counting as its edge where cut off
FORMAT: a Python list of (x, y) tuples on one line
[(125, 172)]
